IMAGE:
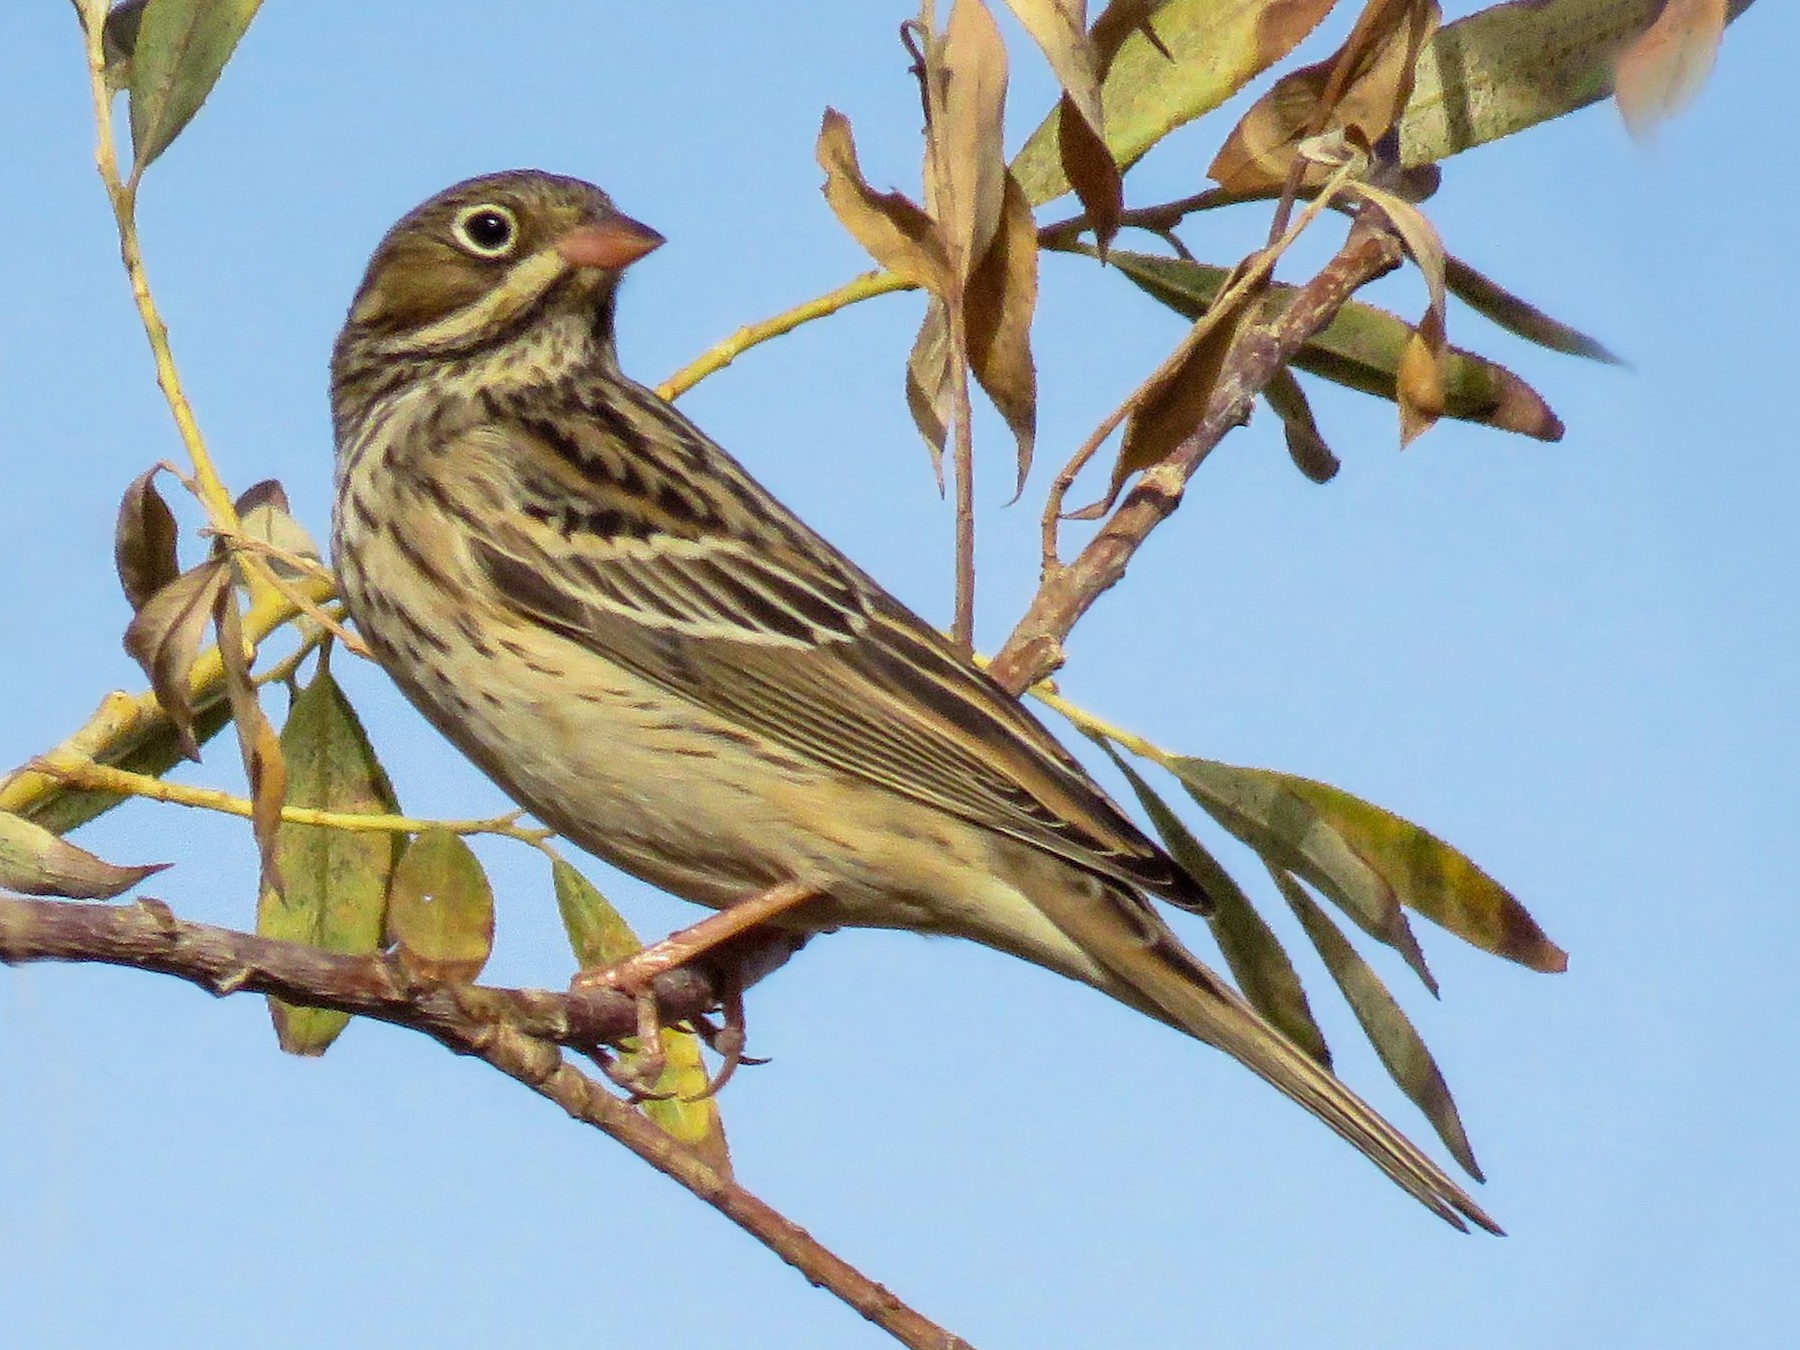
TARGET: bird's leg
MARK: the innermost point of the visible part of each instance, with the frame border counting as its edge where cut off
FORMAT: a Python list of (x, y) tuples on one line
[(726, 1041), (636, 976)]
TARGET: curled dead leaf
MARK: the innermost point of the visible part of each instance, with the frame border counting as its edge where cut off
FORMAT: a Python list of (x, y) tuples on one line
[(164, 638), (894, 230), (144, 541)]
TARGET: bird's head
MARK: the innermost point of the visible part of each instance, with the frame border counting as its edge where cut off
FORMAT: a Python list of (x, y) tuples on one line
[(487, 257)]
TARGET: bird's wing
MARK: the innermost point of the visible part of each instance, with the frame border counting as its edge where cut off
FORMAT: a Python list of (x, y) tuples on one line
[(690, 576)]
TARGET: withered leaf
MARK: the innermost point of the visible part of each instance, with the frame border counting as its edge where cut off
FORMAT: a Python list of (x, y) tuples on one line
[(1397, 1042), (440, 910), (1171, 411), (264, 767), (264, 515), (335, 882), (998, 306), (890, 226), (930, 391), (34, 861), (1360, 348), (600, 938), (966, 165), (1661, 72), (144, 540), (1305, 443), (1059, 27), (1361, 89), (164, 638), (178, 52), (1174, 61), (1092, 172), (1258, 962)]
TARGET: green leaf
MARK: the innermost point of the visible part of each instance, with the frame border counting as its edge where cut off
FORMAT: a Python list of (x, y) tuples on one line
[(440, 910), (1258, 962), (1356, 851), (1360, 348), (36, 862), (1262, 809), (600, 938), (1500, 306), (179, 50), (1204, 51), (1390, 1031), (335, 882), (1514, 65)]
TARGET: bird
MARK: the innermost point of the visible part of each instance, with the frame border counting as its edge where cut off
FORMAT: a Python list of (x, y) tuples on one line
[(635, 640)]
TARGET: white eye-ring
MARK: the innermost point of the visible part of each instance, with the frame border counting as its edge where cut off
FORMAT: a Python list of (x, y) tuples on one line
[(488, 230)]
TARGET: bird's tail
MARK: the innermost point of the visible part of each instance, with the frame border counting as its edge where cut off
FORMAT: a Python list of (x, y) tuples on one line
[(1150, 970)]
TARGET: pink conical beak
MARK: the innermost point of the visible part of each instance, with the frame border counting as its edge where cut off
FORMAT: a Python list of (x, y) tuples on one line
[(612, 244)]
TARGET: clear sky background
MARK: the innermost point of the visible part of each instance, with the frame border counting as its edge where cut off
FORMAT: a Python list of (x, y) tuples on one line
[(1577, 662)]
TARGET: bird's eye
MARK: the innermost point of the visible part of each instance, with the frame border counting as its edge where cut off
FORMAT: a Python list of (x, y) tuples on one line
[(487, 231)]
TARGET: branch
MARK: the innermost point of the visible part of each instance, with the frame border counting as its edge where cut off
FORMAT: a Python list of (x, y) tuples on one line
[(1034, 648), (516, 1031)]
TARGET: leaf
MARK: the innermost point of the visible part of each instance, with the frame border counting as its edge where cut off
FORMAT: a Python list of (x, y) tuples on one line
[(264, 767), (929, 387), (1306, 446), (144, 540), (263, 515), (1663, 70), (180, 49), (600, 938), (1402, 1050), (1360, 348), (1500, 306), (1092, 171), (1263, 809), (335, 888), (1258, 963), (966, 164), (892, 228), (440, 908), (998, 306), (1514, 65), (1171, 410), (1360, 89), (164, 638), (1059, 27), (1187, 59), (1411, 864), (1419, 379), (35, 862)]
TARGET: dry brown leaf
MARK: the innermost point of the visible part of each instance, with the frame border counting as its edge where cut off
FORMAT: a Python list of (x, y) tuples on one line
[(1092, 172), (965, 164), (1419, 385), (929, 384), (997, 311), (1361, 90), (1059, 27), (265, 768), (894, 229), (164, 638), (144, 540), (1660, 73), (1169, 413)]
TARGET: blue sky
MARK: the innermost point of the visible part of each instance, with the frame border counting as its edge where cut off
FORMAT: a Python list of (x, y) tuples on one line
[(1575, 661)]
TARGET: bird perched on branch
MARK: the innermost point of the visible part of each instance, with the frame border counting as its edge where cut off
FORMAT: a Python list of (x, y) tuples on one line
[(623, 629)]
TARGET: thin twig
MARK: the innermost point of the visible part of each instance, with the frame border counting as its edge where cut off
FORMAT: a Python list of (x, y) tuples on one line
[(514, 1031), (962, 419), (716, 358), (92, 777), (1034, 648), (122, 194)]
